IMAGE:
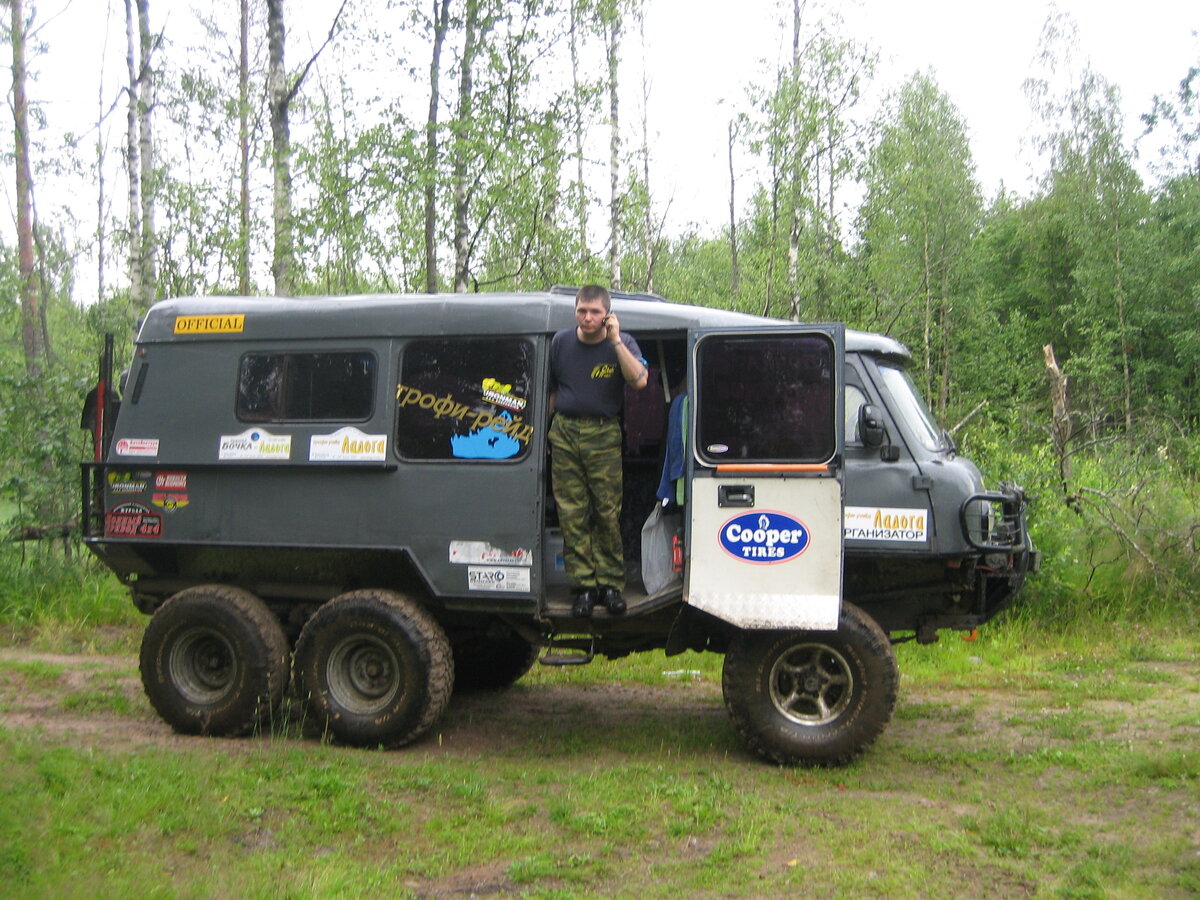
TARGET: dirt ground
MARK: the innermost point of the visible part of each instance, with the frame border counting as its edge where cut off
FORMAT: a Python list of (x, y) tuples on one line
[(99, 698)]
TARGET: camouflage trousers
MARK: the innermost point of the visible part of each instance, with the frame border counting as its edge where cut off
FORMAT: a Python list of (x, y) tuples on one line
[(585, 464)]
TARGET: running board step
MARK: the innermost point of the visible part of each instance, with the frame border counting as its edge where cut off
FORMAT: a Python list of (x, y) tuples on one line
[(572, 650)]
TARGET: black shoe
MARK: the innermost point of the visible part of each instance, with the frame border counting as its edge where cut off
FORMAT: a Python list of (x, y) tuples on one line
[(585, 599), (612, 600)]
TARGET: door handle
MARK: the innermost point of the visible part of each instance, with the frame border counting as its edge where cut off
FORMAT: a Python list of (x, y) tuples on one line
[(735, 495)]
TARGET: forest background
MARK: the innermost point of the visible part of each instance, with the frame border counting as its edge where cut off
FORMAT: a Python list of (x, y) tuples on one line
[(1056, 332)]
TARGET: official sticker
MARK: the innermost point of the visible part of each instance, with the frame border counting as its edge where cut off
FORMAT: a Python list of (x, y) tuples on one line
[(255, 443), (347, 445), (502, 579), (132, 520), (137, 447), (209, 324), (764, 537)]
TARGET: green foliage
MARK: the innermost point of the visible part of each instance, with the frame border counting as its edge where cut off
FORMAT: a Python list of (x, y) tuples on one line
[(41, 590)]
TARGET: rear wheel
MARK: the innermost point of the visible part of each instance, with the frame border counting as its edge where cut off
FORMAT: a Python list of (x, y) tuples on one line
[(374, 668), (491, 659), (812, 697), (214, 660)]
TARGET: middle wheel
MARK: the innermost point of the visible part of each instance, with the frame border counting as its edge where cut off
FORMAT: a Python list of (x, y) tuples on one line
[(374, 668)]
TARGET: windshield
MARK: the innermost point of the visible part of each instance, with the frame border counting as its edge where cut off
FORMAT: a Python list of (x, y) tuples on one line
[(911, 408)]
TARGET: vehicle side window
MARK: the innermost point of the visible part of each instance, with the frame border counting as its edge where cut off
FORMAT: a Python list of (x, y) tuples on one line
[(465, 399), (855, 400), (300, 387), (766, 399)]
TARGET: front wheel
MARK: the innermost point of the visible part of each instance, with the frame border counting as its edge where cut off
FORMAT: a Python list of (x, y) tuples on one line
[(812, 697), (374, 668)]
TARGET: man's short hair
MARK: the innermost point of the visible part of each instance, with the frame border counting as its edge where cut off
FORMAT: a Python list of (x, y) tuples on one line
[(591, 292)]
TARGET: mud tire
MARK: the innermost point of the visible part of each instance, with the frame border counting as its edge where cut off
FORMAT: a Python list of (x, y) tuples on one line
[(812, 697), (491, 660), (373, 668), (214, 661)]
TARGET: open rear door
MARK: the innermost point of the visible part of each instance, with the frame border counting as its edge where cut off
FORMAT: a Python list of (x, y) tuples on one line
[(765, 502)]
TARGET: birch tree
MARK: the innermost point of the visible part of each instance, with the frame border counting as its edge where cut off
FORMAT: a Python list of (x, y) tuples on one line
[(32, 338), (281, 91)]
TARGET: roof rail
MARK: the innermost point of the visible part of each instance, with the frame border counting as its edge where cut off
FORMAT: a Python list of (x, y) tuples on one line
[(567, 291)]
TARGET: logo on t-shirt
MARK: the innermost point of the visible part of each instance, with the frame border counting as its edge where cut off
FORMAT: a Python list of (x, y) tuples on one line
[(604, 370)]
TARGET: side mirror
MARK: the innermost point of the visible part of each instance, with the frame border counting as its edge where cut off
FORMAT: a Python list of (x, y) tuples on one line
[(870, 426)]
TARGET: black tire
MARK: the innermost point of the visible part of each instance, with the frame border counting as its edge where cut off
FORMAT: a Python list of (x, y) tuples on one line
[(214, 661), (491, 659), (812, 697), (374, 669)]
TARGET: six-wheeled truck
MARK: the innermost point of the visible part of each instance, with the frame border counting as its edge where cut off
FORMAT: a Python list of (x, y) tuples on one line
[(351, 496)]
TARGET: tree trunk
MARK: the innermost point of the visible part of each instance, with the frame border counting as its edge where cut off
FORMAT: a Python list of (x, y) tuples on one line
[(580, 199), (101, 242), (1060, 429), (735, 275), (648, 217), (441, 22), (796, 173), (31, 333), (462, 147), (284, 254), (243, 259), (132, 158), (147, 174), (614, 160)]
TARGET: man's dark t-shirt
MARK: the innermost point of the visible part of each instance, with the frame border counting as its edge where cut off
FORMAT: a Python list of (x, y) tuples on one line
[(587, 377)]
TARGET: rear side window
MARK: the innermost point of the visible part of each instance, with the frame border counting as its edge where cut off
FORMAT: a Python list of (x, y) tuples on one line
[(766, 398), (465, 399), (300, 387)]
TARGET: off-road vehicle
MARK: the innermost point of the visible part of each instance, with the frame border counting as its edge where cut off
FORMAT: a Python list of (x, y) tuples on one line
[(351, 495)]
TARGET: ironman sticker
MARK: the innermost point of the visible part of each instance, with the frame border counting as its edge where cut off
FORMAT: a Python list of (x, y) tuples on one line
[(764, 537)]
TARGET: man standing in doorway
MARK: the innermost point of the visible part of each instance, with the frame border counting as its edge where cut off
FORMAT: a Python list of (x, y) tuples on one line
[(590, 365)]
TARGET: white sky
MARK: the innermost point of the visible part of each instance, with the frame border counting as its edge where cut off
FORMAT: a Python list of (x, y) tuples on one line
[(980, 53), (702, 56)]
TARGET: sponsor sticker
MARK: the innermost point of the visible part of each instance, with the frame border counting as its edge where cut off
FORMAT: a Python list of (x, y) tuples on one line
[(483, 553), (255, 443), (498, 578), (764, 537), (209, 324), (137, 447), (169, 502), (170, 481), (132, 520), (501, 394), (128, 482), (881, 523), (347, 445)]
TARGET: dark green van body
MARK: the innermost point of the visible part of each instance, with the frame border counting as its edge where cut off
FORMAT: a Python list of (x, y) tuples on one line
[(166, 510)]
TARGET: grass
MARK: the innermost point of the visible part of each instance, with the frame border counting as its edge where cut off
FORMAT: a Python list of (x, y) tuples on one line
[(1009, 770), (1030, 763)]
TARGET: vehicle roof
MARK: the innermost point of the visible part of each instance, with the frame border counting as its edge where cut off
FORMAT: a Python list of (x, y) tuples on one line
[(405, 315)]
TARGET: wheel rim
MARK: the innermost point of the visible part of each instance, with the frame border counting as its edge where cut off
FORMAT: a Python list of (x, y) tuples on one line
[(363, 674), (811, 684), (203, 665)]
